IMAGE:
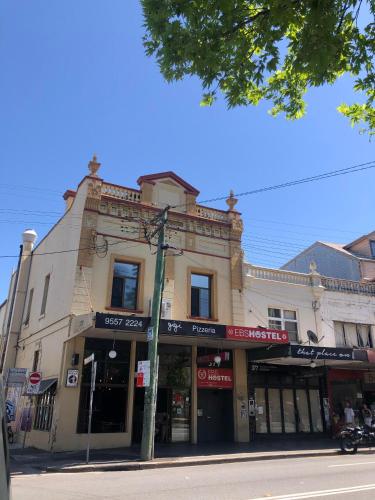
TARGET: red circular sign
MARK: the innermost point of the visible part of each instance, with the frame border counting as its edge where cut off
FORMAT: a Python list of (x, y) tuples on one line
[(34, 378)]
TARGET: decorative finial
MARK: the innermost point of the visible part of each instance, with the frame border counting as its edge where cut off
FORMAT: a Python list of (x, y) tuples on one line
[(94, 166), (231, 201)]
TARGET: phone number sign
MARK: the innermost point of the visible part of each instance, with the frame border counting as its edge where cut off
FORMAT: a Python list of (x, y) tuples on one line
[(118, 322)]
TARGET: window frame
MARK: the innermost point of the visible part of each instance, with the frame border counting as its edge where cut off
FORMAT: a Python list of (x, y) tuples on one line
[(282, 319), (213, 293), (28, 309), (47, 282), (44, 408), (347, 343), (372, 248), (140, 282)]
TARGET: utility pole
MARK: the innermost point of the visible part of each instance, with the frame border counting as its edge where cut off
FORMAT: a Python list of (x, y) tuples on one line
[(148, 433)]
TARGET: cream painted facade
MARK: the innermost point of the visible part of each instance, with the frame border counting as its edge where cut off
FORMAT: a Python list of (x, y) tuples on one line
[(105, 223)]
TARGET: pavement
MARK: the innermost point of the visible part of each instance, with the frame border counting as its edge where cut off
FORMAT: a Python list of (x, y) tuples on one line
[(30, 460), (346, 477)]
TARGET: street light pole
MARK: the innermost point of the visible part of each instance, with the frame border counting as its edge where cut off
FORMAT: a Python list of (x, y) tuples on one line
[(148, 433)]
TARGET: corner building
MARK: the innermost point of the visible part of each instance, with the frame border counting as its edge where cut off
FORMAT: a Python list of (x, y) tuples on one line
[(70, 304)]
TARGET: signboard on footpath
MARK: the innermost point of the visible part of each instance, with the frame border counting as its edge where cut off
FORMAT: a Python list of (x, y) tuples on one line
[(251, 334), (214, 378)]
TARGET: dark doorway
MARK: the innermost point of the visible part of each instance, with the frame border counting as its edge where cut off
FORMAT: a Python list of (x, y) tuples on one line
[(215, 415)]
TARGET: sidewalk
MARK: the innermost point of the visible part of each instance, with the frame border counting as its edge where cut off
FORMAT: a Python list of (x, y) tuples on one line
[(31, 460)]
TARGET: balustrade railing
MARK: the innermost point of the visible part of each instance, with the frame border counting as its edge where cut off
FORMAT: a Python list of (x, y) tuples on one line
[(347, 286), (122, 193)]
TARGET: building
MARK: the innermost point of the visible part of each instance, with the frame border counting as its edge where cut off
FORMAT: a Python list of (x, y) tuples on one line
[(87, 287), (354, 261), (243, 350), (302, 387)]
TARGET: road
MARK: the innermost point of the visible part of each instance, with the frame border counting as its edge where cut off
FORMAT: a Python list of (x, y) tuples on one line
[(344, 477)]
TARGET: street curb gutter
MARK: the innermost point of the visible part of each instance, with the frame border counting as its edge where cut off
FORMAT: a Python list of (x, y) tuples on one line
[(133, 466)]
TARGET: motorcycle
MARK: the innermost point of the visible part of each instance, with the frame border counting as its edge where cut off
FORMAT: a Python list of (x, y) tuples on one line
[(352, 437)]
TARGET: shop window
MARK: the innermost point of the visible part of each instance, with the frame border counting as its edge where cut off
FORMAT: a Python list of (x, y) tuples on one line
[(28, 310), (125, 285), (45, 294), (201, 295), (44, 409), (111, 387), (352, 335), (284, 319)]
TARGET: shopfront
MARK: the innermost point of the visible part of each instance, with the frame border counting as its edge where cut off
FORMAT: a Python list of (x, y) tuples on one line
[(285, 399), (173, 407), (303, 389)]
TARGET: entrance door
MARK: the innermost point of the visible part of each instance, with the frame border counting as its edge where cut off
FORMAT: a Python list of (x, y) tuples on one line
[(215, 415)]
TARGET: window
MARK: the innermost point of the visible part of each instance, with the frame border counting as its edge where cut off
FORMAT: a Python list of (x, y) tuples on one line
[(284, 319), (28, 311), (352, 334), (45, 294), (111, 387), (125, 285), (44, 409), (372, 247), (36, 361), (201, 295)]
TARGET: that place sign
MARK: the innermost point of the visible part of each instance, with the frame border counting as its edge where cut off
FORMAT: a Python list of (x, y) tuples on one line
[(251, 334)]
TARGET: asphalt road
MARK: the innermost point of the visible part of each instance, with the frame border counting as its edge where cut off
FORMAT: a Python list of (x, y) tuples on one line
[(344, 477)]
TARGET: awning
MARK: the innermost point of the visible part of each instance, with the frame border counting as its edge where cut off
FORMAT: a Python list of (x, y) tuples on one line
[(45, 385)]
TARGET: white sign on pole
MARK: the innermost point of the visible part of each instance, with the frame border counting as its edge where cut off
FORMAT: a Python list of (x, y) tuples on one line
[(144, 368), (89, 359), (33, 384)]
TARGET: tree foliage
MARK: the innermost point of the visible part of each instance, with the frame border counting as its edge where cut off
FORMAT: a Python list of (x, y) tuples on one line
[(266, 49)]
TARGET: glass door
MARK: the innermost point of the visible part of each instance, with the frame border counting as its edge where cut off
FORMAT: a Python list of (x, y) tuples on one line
[(180, 415), (302, 411), (289, 411), (316, 411), (274, 410), (261, 410)]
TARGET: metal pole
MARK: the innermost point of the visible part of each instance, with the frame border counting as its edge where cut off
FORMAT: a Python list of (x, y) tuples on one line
[(148, 432), (92, 389)]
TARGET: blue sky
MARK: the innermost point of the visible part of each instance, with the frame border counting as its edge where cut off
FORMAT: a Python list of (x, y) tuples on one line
[(75, 81)]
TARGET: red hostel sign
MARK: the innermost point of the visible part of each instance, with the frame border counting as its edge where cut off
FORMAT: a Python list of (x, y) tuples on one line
[(215, 378), (257, 334)]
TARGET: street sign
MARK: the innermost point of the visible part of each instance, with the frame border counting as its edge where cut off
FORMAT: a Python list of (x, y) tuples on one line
[(150, 333), (88, 360), (33, 383), (143, 374)]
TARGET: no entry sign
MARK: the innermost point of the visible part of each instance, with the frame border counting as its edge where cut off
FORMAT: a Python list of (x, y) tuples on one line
[(34, 383)]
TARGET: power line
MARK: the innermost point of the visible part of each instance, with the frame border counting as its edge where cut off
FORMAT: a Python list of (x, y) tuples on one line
[(324, 175)]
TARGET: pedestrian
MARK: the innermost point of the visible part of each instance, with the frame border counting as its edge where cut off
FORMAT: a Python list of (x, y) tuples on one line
[(367, 415), (349, 414)]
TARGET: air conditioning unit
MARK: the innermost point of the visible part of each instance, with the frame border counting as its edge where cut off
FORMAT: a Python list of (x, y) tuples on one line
[(166, 309)]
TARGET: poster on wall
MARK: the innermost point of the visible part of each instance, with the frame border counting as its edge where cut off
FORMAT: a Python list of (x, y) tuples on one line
[(72, 378)]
